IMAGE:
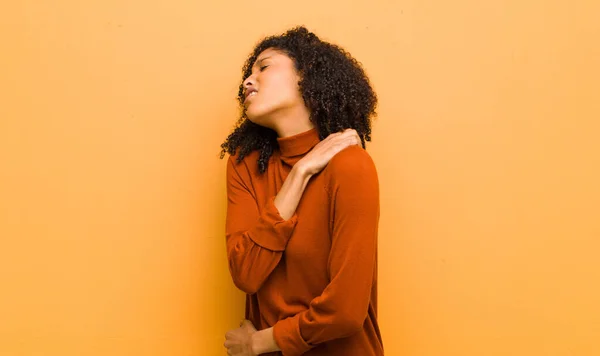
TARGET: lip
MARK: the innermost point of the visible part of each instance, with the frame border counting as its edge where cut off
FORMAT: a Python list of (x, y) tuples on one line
[(250, 91)]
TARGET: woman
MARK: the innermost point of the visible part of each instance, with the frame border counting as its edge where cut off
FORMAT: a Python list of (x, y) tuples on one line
[(303, 202)]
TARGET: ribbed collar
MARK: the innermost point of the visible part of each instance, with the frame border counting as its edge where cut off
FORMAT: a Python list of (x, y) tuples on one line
[(293, 148)]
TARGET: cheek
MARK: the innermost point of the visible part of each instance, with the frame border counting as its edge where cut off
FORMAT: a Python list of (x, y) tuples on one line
[(286, 90), (276, 92)]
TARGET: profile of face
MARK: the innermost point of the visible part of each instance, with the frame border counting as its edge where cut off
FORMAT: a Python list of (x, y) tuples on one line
[(271, 91)]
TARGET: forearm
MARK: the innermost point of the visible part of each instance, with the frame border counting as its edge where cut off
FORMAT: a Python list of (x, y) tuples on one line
[(264, 342), (255, 240), (289, 195), (352, 262)]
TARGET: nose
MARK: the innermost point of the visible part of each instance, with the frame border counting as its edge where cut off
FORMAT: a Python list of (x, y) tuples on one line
[(248, 81)]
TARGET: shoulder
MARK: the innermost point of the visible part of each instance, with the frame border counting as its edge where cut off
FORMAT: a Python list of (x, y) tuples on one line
[(352, 165), (351, 177), (243, 169), (353, 159)]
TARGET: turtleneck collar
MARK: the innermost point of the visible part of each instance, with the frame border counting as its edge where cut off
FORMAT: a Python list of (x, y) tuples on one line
[(293, 148)]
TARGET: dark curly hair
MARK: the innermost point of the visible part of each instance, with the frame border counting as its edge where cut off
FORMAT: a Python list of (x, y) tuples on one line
[(333, 85)]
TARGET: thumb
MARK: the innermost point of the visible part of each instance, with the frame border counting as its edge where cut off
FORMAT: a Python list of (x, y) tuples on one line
[(247, 324)]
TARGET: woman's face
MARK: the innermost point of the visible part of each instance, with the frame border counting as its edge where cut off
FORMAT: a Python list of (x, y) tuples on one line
[(272, 90)]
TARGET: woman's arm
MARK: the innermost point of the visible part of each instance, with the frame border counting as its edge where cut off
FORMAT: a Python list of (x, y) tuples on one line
[(255, 242), (341, 309), (263, 342), (288, 198)]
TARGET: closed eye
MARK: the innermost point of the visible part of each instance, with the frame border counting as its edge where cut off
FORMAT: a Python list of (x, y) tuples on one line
[(263, 68)]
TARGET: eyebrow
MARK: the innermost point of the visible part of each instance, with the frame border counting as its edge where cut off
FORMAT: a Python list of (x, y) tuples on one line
[(260, 60)]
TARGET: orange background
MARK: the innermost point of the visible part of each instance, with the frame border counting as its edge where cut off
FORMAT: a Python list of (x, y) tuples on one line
[(112, 196)]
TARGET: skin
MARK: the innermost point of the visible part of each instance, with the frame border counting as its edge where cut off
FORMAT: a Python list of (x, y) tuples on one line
[(278, 105)]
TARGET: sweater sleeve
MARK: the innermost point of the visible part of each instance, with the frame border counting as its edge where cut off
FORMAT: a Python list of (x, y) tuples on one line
[(255, 238), (342, 308)]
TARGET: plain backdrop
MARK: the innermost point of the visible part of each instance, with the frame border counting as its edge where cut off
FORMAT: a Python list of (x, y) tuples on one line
[(112, 193)]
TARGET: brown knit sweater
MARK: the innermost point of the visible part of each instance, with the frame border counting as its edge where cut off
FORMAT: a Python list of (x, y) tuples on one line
[(312, 277)]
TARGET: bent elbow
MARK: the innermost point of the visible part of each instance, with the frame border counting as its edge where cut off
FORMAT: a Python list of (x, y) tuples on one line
[(245, 287), (243, 281), (349, 323)]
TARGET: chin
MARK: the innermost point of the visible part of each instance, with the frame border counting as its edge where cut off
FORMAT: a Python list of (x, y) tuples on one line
[(259, 119)]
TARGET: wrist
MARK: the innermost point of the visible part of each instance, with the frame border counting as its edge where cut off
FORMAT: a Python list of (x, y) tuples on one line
[(300, 170), (264, 342), (256, 347), (259, 345)]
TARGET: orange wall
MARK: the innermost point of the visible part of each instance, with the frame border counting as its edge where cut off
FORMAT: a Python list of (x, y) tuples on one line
[(112, 195)]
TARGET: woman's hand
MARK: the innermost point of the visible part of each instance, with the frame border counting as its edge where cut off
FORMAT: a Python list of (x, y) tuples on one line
[(321, 154), (239, 341)]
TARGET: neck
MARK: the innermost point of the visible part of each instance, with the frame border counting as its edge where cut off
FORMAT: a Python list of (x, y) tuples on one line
[(294, 129), (292, 122)]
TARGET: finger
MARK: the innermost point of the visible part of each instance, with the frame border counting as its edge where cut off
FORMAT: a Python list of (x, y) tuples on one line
[(349, 141), (236, 351), (355, 139), (332, 136), (349, 132), (339, 146), (335, 145), (340, 140), (232, 335), (229, 343), (247, 324)]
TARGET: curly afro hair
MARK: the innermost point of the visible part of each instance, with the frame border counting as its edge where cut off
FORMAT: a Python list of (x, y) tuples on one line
[(333, 85)]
